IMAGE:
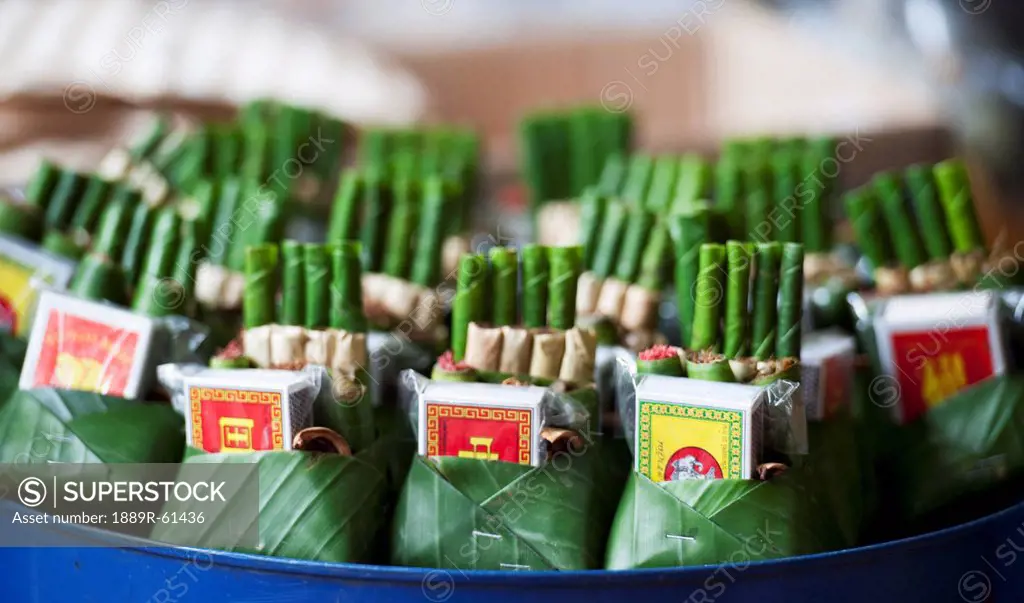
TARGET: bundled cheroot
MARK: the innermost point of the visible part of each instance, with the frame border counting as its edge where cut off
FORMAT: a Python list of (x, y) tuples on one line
[(495, 337), (563, 152), (742, 330), (407, 204), (919, 229)]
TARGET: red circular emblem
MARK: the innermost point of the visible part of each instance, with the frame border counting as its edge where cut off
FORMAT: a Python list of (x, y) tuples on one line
[(692, 463)]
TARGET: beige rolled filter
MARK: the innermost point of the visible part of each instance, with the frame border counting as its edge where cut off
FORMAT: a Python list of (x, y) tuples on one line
[(580, 352), (256, 345), (640, 309), (588, 288), (287, 346), (320, 347), (548, 349), (611, 298), (516, 348), (483, 347), (350, 352), (210, 280)]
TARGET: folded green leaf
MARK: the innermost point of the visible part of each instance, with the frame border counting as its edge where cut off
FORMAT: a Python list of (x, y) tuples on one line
[(473, 514), (51, 425), (698, 522), (315, 507)]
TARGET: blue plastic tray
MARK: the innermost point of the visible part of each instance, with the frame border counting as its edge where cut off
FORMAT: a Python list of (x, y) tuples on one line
[(965, 563)]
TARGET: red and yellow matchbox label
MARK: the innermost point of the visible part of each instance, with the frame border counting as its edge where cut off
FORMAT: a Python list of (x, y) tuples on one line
[(493, 434), (82, 354), (931, 366), (235, 420), (677, 442)]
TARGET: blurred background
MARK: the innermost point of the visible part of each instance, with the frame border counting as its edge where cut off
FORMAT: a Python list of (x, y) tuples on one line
[(916, 80)]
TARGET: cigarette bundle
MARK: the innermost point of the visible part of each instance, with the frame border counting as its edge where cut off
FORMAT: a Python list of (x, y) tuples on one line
[(931, 243), (321, 319), (563, 152), (548, 345)]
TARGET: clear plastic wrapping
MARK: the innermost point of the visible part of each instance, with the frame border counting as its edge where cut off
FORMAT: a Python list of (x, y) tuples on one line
[(98, 346), (487, 420), (773, 414), (243, 410), (390, 354)]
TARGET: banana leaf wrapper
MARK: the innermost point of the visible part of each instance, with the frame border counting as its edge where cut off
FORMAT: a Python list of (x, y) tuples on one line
[(316, 507), (713, 370), (964, 458), (12, 355), (475, 514), (704, 522), (65, 426)]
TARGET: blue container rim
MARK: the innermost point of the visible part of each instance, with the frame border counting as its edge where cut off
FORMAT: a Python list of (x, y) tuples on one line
[(864, 555)]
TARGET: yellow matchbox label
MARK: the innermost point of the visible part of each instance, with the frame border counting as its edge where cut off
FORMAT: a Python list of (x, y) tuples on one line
[(16, 296), (677, 442)]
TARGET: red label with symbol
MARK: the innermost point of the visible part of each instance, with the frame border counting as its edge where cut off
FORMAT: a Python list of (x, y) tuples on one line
[(493, 434), (86, 355), (234, 420), (932, 365)]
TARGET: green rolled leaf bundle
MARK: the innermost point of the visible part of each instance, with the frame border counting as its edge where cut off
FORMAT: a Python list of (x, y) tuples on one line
[(558, 523), (708, 365), (739, 261), (468, 305), (505, 279), (638, 180), (592, 207), (693, 183), (790, 304), (564, 152), (426, 267), (260, 286), (317, 259), (62, 244), (768, 259), (157, 292), (899, 223), (928, 209), (784, 179), (635, 239), (958, 202), (689, 231), (566, 266), (535, 286), (709, 294), (401, 225), (865, 215), (347, 289), (66, 194), (293, 283)]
